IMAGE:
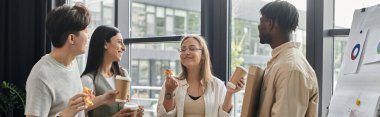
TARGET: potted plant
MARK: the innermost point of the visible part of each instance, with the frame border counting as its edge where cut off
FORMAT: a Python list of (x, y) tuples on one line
[(11, 98)]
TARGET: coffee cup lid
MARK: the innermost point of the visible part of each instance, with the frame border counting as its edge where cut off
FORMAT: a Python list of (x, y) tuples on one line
[(132, 106), (123, 77)]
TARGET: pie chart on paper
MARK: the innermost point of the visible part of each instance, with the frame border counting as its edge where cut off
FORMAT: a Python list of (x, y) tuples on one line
[(372, 49)]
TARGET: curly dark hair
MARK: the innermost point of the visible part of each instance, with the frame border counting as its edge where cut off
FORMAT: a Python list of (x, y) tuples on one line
[(282, 13)]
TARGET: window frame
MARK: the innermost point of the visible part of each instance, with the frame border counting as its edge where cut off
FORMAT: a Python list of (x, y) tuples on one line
[(210, 29), (320, 46), (319, 53)]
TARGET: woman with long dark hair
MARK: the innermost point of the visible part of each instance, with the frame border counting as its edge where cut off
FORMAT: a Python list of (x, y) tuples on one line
[(105, 52)]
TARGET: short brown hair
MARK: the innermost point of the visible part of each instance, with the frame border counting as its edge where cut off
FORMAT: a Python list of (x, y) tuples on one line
[(65, 20)]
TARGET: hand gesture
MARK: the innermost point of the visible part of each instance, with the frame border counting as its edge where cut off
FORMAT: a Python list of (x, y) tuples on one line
[(140, 111), (239, 86), (126, 112), (109, 96), (170, 84), (76, 104)]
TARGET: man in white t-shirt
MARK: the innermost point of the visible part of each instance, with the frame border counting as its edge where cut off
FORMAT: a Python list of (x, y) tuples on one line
[(54, 86)]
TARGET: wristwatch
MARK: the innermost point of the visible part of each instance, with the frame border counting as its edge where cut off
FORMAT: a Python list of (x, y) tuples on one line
[(169, 96)]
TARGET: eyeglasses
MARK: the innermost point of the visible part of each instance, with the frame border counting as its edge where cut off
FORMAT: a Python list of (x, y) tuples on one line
[(191, 49)]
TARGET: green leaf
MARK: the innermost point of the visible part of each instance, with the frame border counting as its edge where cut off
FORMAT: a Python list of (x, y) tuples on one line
[(14, 99)]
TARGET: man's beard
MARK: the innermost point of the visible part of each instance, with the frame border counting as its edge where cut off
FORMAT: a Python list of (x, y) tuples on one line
[(265, 39)]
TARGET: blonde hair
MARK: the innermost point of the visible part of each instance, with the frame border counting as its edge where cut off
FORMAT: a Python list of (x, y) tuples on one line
[(206, 72)]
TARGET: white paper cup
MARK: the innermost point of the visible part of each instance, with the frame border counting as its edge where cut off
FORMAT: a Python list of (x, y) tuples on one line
[(132, 106)]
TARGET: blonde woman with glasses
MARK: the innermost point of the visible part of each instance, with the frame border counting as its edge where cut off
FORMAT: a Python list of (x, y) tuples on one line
[(195, 92)]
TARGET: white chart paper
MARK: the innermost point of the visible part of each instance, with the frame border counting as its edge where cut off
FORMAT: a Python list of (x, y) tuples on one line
[(354, 50), (359, 76), (372, 49)]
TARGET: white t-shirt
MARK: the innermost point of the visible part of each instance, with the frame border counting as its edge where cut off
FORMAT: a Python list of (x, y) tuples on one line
[(88, 82), (111, 81), (50, 86)]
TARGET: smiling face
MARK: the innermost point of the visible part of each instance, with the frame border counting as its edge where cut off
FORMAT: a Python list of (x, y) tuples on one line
[(191, 53), (115, 48)]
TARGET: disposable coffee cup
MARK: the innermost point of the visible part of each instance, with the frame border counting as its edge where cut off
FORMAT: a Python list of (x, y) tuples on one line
[(235, 78), (132, 106), (123, 85)]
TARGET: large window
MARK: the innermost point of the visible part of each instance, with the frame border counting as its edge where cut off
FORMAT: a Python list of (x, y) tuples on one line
[(148, 61), (150, 20), (102, 13), (344, 11), (165, 18), (245, 46)]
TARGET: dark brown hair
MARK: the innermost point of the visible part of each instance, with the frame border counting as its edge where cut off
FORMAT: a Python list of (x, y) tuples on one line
[(284, 14), (101, 35), (65, 20)]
